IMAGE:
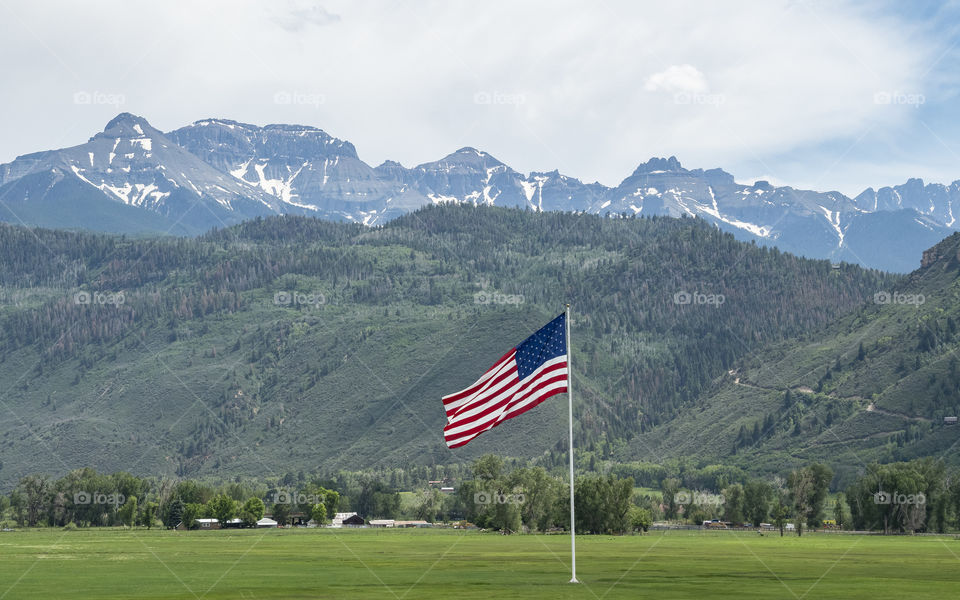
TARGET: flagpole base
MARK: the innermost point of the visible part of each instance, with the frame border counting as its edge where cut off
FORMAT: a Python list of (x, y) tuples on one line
[(574, 580)]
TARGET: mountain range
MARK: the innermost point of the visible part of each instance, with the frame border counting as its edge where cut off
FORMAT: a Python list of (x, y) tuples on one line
[(292, 343), (133, 178)]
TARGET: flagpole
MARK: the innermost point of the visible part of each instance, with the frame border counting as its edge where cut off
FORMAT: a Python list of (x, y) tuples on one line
[(573, 536)]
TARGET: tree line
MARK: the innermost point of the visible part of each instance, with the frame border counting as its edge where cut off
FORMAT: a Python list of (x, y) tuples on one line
[(499, 495), (86, 498), (922, 495), (509, 496)]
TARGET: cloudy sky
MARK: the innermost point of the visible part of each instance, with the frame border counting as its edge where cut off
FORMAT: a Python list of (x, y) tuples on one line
[(816, 94)]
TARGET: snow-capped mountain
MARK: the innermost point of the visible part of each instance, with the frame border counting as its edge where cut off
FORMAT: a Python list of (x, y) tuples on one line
[(134, 165), (933, 199), (216, 172), (810, 223), (315, 173), (471, 175), (307, 170)]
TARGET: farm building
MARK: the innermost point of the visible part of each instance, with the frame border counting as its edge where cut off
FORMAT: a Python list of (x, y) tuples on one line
[(353, 520), (293, 518), (412, 524), (382, 523), (208, 523), (200, 524), (350, 519)]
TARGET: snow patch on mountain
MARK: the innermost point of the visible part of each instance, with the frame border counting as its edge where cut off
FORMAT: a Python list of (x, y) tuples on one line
[(834, 219), (281, 188)]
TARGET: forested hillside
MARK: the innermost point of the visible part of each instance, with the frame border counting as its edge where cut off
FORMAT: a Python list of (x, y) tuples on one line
[(874, 386), (288, 342)]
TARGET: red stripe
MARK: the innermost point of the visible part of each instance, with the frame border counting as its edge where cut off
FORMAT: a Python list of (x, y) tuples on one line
[(493, 388), (554, 392), (477, 384), (465, 440), (516, 396), (530, 388), (510, 397), (481, 400), (514, 410), (491, 424), (467, 391)]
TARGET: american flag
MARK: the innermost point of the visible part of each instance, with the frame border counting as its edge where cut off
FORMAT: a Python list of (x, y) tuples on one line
[(523, 378)]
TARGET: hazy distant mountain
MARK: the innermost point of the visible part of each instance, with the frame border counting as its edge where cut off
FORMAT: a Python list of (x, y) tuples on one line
[(809, 223), (130, 163), (216, 172), (934, 199), (307, 170)]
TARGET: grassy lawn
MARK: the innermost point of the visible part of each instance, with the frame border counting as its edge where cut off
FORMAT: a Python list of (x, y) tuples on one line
[(445, 564)]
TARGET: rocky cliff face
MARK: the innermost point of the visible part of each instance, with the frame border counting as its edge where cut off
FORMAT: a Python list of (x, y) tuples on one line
[(217, 172)]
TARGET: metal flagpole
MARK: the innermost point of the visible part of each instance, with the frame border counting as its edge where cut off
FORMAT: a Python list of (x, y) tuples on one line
[(573, 536)]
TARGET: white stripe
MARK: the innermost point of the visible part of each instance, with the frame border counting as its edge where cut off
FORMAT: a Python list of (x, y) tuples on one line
[(502, 392), (469, 419), (490, 372), (486, 399), (537, 395), (492, 387), (491, 425), (489, 376), (497, 414)]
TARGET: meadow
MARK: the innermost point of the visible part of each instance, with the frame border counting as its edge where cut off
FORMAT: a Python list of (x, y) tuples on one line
[(297, 563)]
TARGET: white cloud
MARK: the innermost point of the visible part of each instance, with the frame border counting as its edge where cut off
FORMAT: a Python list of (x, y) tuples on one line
[(775, 181), (735, 82), (295, 15), (677, 78)]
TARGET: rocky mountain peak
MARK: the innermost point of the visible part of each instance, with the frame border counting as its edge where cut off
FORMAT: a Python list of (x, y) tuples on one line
[(127, 125), (657, 165)]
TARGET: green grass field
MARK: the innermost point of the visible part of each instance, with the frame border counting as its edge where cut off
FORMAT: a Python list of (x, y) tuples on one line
[(445, 564)]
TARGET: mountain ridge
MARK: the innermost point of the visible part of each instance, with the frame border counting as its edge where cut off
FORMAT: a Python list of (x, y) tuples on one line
[(290, 342), (217, 172), (873, 386)]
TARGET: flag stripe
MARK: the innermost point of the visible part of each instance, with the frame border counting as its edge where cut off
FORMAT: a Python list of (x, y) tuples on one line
[(557, 385), (506, 358), (547, 393), (509, 391), (512, 399), (553, 386), (491, 383), (525, 376)]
